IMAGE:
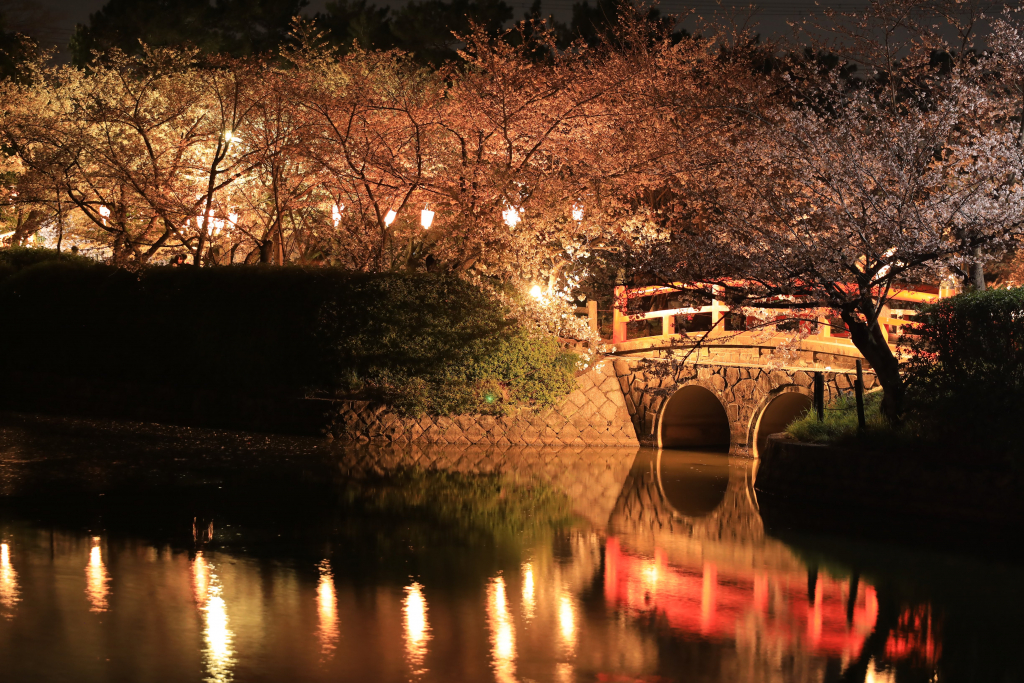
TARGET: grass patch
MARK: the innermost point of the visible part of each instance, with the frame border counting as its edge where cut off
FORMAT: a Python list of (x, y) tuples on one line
[(840, 423)]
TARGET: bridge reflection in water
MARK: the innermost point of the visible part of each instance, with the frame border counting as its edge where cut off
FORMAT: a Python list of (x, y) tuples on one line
[(667, 575)]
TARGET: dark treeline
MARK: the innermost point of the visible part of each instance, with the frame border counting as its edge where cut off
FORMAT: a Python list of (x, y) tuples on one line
[(427, 29)]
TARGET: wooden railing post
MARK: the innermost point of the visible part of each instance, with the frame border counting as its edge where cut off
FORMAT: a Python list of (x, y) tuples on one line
[(592, 314), (619, 319), (824, 329), (716, 307), (858, 390), (819, 395)]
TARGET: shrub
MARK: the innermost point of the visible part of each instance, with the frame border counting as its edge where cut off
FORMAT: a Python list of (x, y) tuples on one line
[(426, 342), (966, 373)]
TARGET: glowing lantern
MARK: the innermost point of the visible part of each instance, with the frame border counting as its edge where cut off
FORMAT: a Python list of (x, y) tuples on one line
[(336, 213), (577, 212), (426, 218), (536, 292), (104, 213), (511, 216), (389, 217), (232, 220)]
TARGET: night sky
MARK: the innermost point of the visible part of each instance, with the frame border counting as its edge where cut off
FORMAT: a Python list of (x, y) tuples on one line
[(64, 14)]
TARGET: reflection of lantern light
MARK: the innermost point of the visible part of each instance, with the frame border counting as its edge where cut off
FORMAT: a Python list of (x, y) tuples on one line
[(417, 630), (426, 218), (217, 633), (389, 217), (511, 216), (96, 578), (577, 212), (503, 639), (8, 578), (567, 621), (327, 608), (528, 590), (336, 213)]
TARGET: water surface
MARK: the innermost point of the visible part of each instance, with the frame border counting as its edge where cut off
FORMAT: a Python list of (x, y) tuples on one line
[(145, 553)]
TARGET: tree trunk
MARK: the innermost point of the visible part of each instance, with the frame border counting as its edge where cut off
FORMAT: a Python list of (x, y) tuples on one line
[(871, 342), (977, 272), (266, 250)]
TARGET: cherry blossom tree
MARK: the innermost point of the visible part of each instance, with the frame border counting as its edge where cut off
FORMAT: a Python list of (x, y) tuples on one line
[(839, 192)]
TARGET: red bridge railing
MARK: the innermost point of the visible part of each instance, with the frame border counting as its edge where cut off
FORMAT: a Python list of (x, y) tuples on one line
[(893, 319)]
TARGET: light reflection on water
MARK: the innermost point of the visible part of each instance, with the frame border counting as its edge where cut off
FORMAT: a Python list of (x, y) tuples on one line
[(8, 580), (417, 629), (646, 595), (96, 578), (529, 597), (217, 636), (503, 637), (327, 609)]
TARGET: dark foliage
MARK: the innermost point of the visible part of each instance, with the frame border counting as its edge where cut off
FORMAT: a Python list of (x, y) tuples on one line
[(424, 342), (967, 372)]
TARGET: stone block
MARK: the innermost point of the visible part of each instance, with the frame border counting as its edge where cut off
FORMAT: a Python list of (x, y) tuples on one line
[(475, 433), (554, 420), (452, 434), (587, 410), (621, 368), (718, 383), (567, 409), (577, 398), (585, 382), (732, 375)]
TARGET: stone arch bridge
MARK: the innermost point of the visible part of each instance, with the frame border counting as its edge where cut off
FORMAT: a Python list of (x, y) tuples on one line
[(727, 397)]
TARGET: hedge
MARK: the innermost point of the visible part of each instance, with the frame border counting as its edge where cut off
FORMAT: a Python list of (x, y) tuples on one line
[(966, 374), (424, 342)]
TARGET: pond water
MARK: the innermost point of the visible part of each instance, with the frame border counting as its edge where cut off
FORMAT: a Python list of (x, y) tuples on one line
[(146, 553)]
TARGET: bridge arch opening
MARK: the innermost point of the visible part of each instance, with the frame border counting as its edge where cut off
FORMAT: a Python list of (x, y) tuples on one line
[(694, 418), (694, 484), (777, 415)]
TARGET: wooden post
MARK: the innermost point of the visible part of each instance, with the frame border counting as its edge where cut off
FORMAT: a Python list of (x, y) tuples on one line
[(858, 390), (668, 326), (823, 327), (619, 319), (819, 395), (716, 309), (592, 314)]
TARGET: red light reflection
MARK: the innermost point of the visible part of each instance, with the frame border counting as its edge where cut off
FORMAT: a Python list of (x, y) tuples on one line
[(717, 602)]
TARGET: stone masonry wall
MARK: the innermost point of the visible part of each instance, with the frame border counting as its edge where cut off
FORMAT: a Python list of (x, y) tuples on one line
[(743, 390), (594, 414)]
